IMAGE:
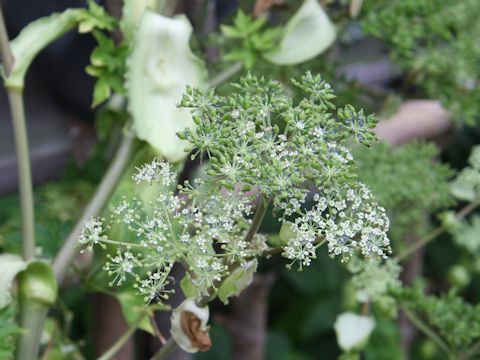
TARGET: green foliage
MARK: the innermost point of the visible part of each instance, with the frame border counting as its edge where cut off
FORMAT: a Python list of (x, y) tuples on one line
[(408, 182), (108, 66), (95, 17), (466, 186), (454, 320), (8, 332), (374, 281), (237, 281), (107, 59), (436, 41), (251, 37), (467, 235)]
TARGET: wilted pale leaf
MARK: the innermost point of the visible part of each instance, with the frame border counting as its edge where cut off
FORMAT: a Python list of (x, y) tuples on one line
[(307, 34), (10, 266), (160, 67), (132, 13)]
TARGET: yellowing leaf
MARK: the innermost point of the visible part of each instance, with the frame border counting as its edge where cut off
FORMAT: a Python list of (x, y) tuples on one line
[(160, 67), (307, 34)]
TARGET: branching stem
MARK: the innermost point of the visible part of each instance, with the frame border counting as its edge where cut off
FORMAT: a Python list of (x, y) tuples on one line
[(110, 353), (225, 74), (102, 195), (464, 212)]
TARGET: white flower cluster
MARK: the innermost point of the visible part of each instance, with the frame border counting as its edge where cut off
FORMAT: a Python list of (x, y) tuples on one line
[(204, 231), (348, 220), (92, 234), (155, 171)]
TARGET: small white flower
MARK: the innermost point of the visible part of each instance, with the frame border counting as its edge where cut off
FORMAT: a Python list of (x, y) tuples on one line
[(353, 330)]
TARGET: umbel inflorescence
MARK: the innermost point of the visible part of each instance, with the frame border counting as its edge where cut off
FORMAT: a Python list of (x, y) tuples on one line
[(263, 149)]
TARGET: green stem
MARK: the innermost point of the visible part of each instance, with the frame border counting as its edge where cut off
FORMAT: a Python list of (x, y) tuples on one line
[(165, 350), (260, 212), (257, 219), (471, 351), (33, 317), (426, 330), (121, 340), (17, 109), (435, 233), (225, 74), (109, 181)]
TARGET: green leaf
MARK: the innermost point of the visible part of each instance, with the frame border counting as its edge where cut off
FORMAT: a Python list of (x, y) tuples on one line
[(37, 283), (35, 37), (10, 266), (287, 232), (307, 34), (133, 306), (160, 67), (8, 332), (237, 281), (101, 92), (95, 17), (189, 289)]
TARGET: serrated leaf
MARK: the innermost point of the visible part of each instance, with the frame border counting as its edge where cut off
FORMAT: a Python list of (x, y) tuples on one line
[(8, 332), (101, 92), (160, 67), (10, 266), (35, 37), (307, 34), (237, 281), (95, 17)]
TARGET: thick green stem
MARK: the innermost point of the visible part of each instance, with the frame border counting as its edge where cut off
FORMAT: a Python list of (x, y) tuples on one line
[(15, 99), (110, 180), (17, 109), (33, 317)]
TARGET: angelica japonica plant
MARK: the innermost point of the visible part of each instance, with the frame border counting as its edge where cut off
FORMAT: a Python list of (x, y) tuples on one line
[(262, 150), (242, 199)]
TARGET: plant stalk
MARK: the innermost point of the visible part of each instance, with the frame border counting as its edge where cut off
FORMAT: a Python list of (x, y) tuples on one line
[(105, 189), (165, 350), (225, 74), (32, 319), (110, 353), (17, 110), (260, 212), (464, 212), (426, 330)]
